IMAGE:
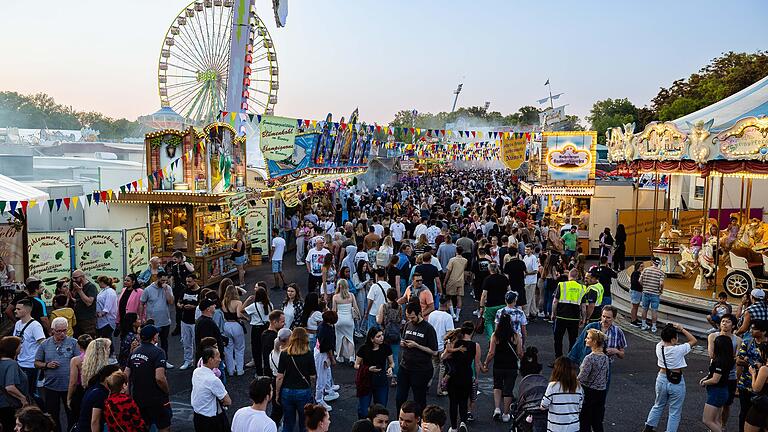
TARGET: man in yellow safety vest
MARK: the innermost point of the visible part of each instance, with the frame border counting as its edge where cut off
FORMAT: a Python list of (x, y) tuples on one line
[(593, 297), (568, 310)]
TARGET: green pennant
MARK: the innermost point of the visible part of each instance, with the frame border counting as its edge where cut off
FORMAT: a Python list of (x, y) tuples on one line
[(50, 205), (2, 206), (89, 197), (122, 189)]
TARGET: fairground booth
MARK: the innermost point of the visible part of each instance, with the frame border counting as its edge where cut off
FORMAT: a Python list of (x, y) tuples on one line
[(708, 169), (562, 176)]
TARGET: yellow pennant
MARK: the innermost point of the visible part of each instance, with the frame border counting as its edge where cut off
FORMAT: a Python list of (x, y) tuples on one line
[(314, 124), (418, 131), (141, 183), (109, 193), (32, 203), (75, 200)]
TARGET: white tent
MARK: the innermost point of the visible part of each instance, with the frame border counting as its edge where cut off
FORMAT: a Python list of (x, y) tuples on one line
[(12, 190)]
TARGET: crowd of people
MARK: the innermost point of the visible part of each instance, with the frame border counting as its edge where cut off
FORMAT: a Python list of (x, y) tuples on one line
[(428, 283)]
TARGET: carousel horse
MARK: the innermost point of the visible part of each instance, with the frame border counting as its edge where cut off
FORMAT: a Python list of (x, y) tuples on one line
[(748, 241), (707, 258), (688, 261), (668, 234)]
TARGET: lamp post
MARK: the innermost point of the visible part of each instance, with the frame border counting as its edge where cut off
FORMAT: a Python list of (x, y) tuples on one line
[(456, 97)]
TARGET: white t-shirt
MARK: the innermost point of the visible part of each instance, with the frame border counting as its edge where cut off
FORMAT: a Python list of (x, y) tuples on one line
[(290, 311), (394, 426), (531, 265), (206, 388), (432, 233), (378, 229), (442, 321), (247, 419), (257, 313), (378, 293), (314, 320), (675, 355), (419, 230), (436, 262), (397, 229), (30, 341), (315, 260), (278, 243)]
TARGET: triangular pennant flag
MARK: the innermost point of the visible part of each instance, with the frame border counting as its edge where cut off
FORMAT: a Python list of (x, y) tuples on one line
[(314, 124), (413, 131), (128, 187), (66, 202), (75, 200), (13, 206), (473, 134), (307, 123), (2, 206), (32, 203), (122, 189), (96, 197), (298, 123), (103, 196), (109, 193), (418, 131), (89, 198), (141, 184), (24, 205), (135, 185), (50, 204)]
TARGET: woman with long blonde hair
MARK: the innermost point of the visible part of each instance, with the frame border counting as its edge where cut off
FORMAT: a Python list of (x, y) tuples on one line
[(421, 245), (345, 306), (296, 368), (232, 308), (96, 357)]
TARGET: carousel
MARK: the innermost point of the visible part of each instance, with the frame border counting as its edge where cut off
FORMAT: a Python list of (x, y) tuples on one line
[(723, 244)]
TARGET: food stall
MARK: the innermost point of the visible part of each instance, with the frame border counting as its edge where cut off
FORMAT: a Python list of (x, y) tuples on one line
[(192, 176), (561, 174)]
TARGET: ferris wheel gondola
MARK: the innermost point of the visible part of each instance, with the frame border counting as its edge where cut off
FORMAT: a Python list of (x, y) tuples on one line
[(194, 62)]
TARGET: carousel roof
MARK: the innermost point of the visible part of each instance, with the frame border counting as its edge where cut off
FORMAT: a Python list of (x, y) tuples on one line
[(750, 102)]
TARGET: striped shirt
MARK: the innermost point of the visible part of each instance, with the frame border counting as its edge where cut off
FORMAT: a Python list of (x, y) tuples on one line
[(564, 408), (652, 280)]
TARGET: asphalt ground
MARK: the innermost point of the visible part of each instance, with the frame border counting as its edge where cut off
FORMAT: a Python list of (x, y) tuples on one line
[(630, 397)]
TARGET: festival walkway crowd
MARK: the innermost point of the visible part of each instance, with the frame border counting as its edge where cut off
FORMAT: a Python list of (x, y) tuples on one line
[(392, 273)]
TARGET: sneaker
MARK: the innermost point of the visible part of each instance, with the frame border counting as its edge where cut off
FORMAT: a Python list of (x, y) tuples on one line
[(359, 335), (541, 314), (470, 417), (455, 317), (476, 313), (332, 396), (505, 418), (462, 427), (240, 373), (653, 329), (185, 366), (496, 414), (169, 365), (452, 430), (335, 387), (635, 323), (250, 364), (644, 326), (325, 405)]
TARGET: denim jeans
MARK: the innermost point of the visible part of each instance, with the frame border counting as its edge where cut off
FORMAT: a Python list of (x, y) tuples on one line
[(396, 357), (379, 394), (607, 300), (372, 321), (293, 401), (667, 394)]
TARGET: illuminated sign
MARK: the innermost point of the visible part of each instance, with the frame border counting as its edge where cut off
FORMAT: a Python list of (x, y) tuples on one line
[(568, 157)]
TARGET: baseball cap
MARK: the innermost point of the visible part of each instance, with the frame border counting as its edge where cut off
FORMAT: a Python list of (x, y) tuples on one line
[(656, 260), (758, 293), (148, 332), (206, 303), (32, 279), (510, 296)]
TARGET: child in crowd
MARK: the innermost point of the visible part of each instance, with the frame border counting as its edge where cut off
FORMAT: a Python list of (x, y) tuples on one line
[(120, 410), (63, 310), (325, 358), (720, 308)]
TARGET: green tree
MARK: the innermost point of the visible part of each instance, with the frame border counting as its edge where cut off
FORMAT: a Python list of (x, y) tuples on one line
[(722, 77), (610, 113)]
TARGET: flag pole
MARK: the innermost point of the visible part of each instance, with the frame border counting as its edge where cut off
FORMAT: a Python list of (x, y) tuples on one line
[(551, 103)]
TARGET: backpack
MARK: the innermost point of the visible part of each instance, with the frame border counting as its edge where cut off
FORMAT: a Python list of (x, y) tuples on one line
[(391, 332), (382, 258)]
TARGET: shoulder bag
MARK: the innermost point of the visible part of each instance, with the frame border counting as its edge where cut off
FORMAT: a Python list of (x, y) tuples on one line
[(674, 377)]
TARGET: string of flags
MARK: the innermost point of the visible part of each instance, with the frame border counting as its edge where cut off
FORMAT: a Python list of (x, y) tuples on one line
[(101, 196), (389, 130)]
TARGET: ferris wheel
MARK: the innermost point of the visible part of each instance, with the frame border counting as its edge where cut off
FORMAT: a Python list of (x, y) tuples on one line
[(194, 62)]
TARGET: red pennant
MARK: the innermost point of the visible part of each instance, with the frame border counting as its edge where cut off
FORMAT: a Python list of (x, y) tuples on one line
[(135, 185), (412, 131), (306, 123), (103, 196), (24, 205), (378, 128), (160, 174), (66, 202), (473, 134)]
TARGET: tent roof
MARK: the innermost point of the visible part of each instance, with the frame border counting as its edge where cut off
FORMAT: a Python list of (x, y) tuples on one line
[(750, 102), (12, 190)]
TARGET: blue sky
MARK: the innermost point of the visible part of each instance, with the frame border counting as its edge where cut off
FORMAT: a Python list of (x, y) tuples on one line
[(382, 56)]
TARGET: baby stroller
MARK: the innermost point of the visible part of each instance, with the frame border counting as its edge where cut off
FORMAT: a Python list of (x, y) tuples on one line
[(528, 416)]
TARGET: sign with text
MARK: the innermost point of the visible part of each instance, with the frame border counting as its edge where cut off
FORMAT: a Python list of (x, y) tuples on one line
[(100, 253), (257, 226), (137, 250), (513, 150), (49, 259), (277, 137), (570, 156)]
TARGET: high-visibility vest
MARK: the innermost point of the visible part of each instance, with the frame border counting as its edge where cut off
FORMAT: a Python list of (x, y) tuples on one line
[(571, 292), (598, 287)]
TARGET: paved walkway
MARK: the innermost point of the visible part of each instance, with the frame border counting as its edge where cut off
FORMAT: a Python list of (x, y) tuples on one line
[(631, 394)]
